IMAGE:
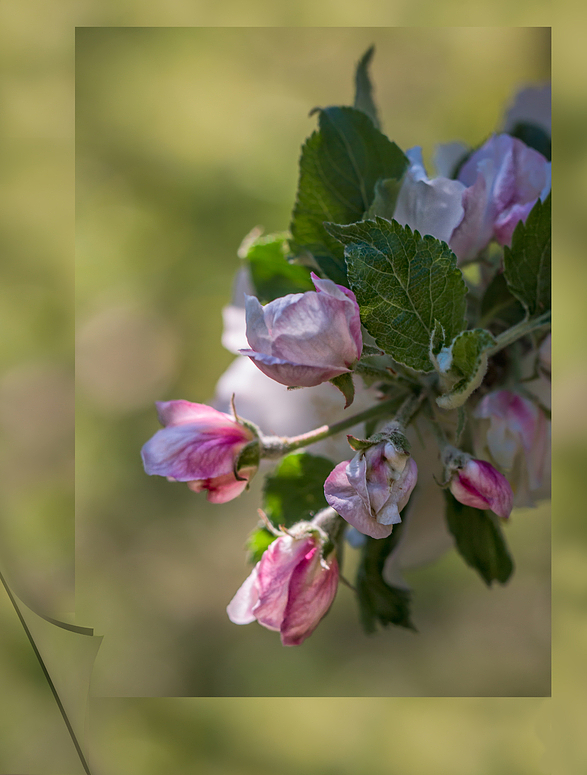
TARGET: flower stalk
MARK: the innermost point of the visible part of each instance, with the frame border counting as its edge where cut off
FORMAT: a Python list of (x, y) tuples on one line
[(273, 447), (518, 331)]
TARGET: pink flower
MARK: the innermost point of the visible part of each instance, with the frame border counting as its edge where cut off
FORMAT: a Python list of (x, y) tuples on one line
[(515, 438), (370, 490), (291, 588), (201, 446), (496, 188), (480, 485), (504, 179), (303, 339)]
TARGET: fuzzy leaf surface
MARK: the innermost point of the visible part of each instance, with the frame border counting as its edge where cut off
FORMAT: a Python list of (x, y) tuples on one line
[(405, 284), (527, 262), (339, 166), (468, 353)]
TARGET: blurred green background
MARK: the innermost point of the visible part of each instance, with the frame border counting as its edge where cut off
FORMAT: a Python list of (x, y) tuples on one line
[(185, 140)]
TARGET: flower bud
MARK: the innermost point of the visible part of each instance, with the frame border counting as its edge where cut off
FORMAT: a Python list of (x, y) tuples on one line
[(515, 437), (478, 484), (303, 339), (203, 447), (370, 490), (291, 588)]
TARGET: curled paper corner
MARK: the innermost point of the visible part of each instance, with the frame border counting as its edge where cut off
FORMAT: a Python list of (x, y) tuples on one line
[(66, 653)]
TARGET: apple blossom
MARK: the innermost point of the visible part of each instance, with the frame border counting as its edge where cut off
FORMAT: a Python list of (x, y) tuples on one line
[(292, 587), (370, 490), (303, 339), (201, 446), (496, 188), (504, 179)]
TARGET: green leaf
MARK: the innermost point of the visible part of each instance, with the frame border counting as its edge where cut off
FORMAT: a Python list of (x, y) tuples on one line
[(339, 166), (363, 88), (466, 360), (379, 602), (384, 201), (534, 136), (479, 540), (344, 382), (405, 285), (527, 262), (257, 543), (295, 490), (272, 275), (499, 305)]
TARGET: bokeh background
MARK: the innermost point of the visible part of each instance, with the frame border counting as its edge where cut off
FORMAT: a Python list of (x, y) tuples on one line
[(182, 148), (186, 139)]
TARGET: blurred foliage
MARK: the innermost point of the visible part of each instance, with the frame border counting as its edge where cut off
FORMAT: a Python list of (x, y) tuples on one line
[(187, 138)]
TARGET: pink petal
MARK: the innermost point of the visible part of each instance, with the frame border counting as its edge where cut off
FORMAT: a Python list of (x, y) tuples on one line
[(476, 228), (312, 589), (186, 452), (481, 486), (222, 489), (240, 608), (347, 502), (275, 570), (507, 221), (353, 312), (293, 374), (405, 484), (178, 412)]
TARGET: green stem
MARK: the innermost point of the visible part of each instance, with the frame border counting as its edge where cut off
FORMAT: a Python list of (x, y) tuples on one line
[(518, 331), (275, 446)]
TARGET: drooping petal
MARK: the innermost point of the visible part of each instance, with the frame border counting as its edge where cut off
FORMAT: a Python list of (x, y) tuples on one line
[(240, 608), (222, 489), (257, 331), (312, 589)]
